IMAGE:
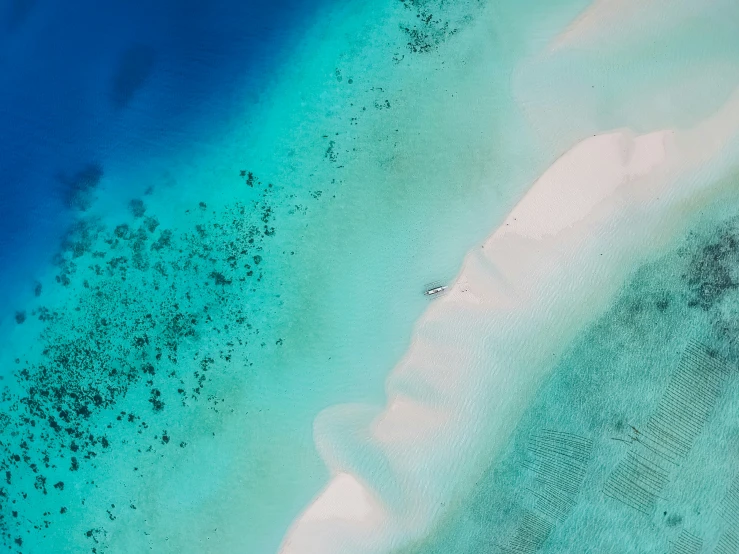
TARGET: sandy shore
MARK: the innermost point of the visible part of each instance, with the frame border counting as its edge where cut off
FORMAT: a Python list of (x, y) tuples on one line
[(480, 352)]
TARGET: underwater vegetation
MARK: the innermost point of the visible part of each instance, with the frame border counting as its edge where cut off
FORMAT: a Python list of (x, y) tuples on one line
[(78, 189)]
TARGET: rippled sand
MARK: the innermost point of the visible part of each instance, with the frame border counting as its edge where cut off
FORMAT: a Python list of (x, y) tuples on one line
[(479, 354), (183, 375)]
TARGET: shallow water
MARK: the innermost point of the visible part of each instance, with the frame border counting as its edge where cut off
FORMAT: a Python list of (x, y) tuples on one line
[(583, 472), (207, 303), (213, 297)]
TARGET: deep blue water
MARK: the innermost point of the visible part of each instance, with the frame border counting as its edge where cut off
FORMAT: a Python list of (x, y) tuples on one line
[(87, 83)]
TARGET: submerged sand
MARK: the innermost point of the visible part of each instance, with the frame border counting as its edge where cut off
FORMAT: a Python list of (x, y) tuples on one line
[(480, 352), (395, 138)]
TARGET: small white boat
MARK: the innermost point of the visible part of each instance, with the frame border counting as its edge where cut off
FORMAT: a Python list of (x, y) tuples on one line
[(435, 290)]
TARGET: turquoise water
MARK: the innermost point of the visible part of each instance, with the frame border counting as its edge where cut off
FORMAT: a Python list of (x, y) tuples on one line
[(567, 482), (165, 382), (185, 339)]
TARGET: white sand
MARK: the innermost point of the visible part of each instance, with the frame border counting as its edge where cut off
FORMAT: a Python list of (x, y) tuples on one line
[(614, 18), (480, 352)]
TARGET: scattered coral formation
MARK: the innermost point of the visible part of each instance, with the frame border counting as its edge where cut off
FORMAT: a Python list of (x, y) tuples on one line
[(138, 296)]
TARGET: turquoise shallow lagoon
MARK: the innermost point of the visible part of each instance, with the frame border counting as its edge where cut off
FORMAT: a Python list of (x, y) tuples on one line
[(161, 390)]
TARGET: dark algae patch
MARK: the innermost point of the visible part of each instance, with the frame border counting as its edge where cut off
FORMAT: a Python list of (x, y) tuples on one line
[(78, 189), (122, 353), (714, 269), (433, 22), (712, 277)]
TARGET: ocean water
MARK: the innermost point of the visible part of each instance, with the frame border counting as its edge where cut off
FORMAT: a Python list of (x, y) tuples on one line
[(226, 266), (565, 94), (629, 445), (88, 90), (242, 205)]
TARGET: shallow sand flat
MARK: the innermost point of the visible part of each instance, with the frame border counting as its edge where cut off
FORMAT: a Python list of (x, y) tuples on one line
[(658, 65), (545, 274), (595, 22), (409, 160)]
